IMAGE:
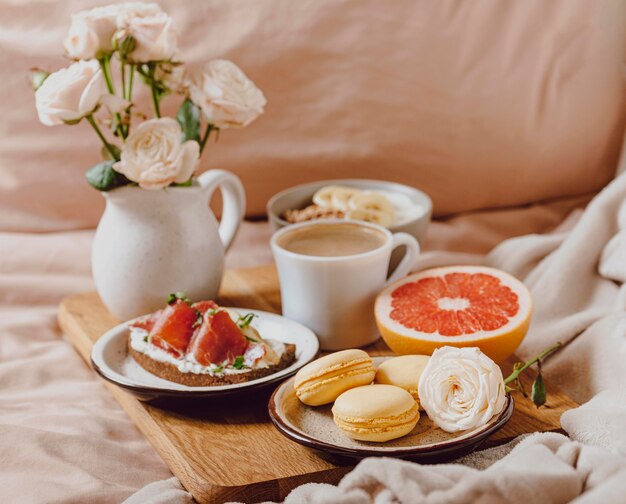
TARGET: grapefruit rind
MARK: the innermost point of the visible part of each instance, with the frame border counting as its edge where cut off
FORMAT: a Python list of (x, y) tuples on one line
[(497, 344)]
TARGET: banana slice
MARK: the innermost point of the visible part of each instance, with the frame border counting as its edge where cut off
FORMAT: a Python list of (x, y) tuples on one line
[(335, 197), (372, 201), (323, 197), (342, 196), (375, 216)]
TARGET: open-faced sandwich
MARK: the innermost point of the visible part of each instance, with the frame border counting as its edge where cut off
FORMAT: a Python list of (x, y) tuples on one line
[(202, 344)]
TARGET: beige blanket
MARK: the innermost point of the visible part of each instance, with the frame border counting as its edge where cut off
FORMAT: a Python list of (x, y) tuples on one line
[(575, 275), (64, 439)]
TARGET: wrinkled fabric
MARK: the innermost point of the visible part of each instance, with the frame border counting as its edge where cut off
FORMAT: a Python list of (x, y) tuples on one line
[(578, 301), (518, 101), (71, 435), (541, 469), (576, 304), (63, 438), (521, 102)]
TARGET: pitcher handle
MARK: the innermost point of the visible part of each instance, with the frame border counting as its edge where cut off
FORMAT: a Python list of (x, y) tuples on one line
[(233, 197), (408, 261)]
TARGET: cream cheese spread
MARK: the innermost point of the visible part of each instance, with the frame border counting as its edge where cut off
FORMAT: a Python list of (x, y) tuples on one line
[(188, 364)]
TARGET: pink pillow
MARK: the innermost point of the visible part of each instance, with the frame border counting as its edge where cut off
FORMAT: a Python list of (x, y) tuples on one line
[(480, 104)]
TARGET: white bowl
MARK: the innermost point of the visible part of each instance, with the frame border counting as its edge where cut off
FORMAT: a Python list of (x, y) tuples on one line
[(301, 196)]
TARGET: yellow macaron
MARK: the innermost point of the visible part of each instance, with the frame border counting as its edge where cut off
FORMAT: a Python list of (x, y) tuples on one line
[(323, 380), (404, 371), (376, 413)]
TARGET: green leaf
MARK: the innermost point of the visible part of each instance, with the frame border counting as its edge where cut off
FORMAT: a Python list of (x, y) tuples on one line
[(37, 77), (107, 155), (218, 369), (187, 183), (538, 393), (72, 122), (238, 364), (178, 295), (188, 117), (104, 178)]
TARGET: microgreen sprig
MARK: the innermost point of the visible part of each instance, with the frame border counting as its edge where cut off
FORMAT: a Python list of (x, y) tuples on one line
[(238, 363), (178, 295), (245, 320)]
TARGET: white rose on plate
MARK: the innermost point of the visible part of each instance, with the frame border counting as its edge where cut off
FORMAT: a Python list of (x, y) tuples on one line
[(71, 93), (154, 157), (461, 388), (227, 97), (153, 32)]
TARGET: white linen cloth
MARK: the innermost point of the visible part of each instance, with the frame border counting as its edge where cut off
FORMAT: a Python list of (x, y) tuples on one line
[(575, 275)]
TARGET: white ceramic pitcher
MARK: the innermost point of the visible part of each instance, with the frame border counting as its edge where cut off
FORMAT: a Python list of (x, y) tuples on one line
[(151, 243)]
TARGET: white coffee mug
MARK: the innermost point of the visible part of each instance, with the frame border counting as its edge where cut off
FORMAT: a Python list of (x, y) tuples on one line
[(334, 296)]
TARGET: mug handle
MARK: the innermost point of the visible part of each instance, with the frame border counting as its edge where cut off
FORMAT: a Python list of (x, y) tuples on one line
[(234, 201), (407, 262)]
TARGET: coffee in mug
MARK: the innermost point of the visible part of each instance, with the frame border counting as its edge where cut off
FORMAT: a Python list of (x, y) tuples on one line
[(330, 273), (332, 240)]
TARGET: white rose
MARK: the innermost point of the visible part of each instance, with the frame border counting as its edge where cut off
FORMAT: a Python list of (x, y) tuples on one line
[(153, 32), (71, 93), (461, 388), (91, 32), (154, 157), (130, 9), (172, 76), (226, 96)]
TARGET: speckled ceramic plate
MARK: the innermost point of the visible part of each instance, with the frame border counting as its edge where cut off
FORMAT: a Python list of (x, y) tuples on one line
[(314, 427), (110, 359)]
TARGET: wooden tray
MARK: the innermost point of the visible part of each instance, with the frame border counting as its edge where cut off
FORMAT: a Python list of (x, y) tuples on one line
[(235, 453)]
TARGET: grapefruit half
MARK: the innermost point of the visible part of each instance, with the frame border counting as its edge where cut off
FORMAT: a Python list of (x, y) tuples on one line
[(461, 306)]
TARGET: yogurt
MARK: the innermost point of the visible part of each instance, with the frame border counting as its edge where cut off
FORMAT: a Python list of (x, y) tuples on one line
[(405, 209)]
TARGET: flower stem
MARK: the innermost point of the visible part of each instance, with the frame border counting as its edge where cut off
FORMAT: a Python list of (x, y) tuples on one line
[(205, 137), (155, 103), (128, 96), (513, 376), (123, 129), (123, 71), (105, 64), (106, 70), (107, 145), (129, 87), (155, 96)]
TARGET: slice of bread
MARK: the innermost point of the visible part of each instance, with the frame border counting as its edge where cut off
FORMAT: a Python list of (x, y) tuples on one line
[(170, 372)]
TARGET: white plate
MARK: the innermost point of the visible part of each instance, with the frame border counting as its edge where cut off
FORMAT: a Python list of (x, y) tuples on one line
[(110, 359)]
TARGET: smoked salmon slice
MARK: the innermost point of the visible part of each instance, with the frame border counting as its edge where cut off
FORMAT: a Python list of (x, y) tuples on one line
[(218, 339), (174, 328), (147, 321), (205, 306)]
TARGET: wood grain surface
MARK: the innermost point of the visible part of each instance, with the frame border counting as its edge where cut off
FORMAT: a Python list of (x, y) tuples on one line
[(232, 451)]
